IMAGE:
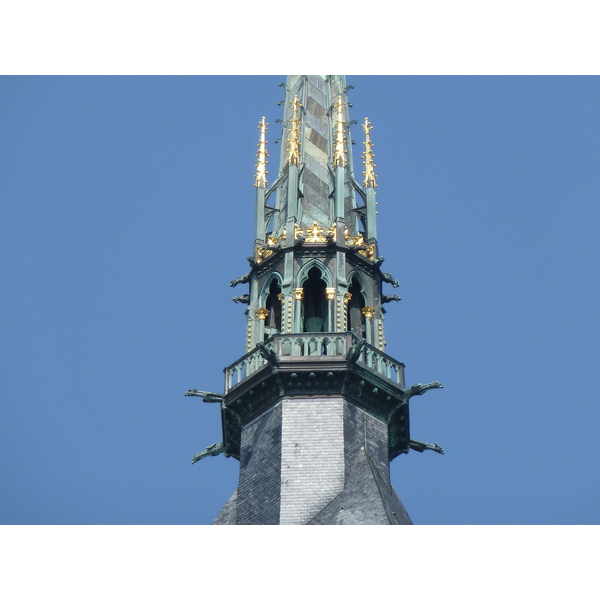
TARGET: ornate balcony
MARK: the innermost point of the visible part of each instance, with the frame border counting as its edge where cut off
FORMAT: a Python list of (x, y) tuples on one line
[(313, 349)]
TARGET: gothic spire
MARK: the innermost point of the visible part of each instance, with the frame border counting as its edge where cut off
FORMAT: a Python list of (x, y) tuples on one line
[(315, 409), (317, 142)]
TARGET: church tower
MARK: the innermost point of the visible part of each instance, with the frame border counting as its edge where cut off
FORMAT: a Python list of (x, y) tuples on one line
[(315, 410)]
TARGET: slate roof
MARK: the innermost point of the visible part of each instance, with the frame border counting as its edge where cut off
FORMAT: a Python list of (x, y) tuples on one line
[(367, 499), (366, 496), (228, 513)]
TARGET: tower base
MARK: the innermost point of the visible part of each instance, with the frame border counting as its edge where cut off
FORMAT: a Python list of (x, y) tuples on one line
[(314, 461)]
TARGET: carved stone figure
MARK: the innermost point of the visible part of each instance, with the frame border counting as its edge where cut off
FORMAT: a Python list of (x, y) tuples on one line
[(377, 262), (300, 239), (269, 355), (273, 247), (213, 450), (245, 299), (354, 351), (243, 279), (421, 388), (357, 248), (389, 298), (387, 277), (422, 446), (206, 396)]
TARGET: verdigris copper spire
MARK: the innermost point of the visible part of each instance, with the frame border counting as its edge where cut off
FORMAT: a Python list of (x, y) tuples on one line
[(317, 144), (315, 410)]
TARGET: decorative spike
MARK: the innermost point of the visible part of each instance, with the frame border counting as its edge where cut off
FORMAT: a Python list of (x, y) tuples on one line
[(260, 179), (367, 157), (340, 154), (293, 149)]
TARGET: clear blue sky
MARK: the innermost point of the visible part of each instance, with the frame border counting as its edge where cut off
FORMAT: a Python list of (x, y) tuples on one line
[(127, 208)]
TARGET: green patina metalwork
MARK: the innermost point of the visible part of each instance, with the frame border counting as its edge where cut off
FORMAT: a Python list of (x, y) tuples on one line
[(344, 375), (213, 450), (316, 236)]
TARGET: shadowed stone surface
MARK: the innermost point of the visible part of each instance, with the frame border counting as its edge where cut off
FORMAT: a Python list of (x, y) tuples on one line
[(228, 513), (260, 470), (368, 497), (319, 461)]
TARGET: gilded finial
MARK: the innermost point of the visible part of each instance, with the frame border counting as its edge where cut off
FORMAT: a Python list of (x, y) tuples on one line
[(293, 148), (260, 179), (340, 156), (367, 157)]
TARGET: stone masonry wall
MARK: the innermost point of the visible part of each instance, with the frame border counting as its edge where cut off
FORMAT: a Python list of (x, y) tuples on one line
[(312, 462)]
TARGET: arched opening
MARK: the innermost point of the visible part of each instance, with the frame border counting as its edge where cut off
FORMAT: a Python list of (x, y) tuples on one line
[(273, 305), (315, 302), (356, 320)]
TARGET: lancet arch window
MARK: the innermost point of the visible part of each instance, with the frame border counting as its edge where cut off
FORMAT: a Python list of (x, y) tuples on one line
[(356, 318), (315, 307), (270, 299)]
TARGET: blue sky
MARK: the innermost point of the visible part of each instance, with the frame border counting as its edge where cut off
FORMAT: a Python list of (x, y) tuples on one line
[(127, 208)]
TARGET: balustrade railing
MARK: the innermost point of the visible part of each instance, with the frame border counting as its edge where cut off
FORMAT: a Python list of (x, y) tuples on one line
[(311, 344), (316, 345), (385, 365), (245, 366)]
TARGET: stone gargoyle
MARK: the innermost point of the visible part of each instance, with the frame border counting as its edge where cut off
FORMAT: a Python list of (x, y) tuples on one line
[(206, 396), (387, 278), (212, 450), (243, 279), (422, 446)]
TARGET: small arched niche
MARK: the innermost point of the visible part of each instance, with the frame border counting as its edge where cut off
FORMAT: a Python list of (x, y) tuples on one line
[(273, 306), (315, 302), (356, 319)]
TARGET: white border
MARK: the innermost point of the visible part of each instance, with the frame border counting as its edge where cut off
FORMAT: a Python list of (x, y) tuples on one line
[(190, 37)]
